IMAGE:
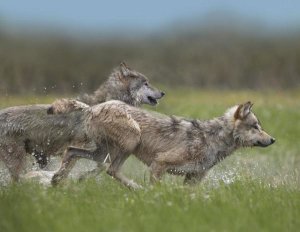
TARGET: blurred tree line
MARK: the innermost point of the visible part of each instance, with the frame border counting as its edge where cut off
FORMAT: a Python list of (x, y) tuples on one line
[(222, 59)]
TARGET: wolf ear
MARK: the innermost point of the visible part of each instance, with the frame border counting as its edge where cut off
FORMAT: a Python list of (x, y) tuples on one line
[(125, 70), (243, 110)]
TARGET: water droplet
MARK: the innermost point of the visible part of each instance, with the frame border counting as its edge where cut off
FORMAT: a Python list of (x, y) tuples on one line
[(169, 203)]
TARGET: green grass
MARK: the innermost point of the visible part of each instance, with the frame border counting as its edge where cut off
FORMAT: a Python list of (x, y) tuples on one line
[(253, 190)]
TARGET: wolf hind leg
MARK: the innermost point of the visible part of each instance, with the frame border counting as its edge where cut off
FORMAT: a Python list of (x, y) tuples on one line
[(69, 160), (41, 158), (13, 156), (93, 173)]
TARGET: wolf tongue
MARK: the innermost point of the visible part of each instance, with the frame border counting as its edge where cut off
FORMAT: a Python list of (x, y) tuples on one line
[(154, 101)]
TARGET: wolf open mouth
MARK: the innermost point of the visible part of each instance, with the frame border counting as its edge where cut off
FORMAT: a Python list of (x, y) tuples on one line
[(152, 100)]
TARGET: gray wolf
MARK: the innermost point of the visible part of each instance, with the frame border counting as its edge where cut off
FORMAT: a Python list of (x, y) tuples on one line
[(123, 84), (165, 144), (41, 131)]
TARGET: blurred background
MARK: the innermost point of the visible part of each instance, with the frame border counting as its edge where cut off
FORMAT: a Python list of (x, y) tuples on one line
[(67, 47)]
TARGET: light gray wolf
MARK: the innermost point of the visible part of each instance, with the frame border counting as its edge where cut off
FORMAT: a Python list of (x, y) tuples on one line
[(41, 131), (166, 144)]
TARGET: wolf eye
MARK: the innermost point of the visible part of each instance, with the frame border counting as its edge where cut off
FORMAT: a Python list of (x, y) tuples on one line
[(255, 126)]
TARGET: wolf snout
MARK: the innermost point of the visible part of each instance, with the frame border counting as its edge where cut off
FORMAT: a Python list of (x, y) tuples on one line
[(162, 94), (273, 140)]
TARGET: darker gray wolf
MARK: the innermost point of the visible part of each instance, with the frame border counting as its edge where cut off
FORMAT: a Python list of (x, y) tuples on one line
[(166, 144), (123, 84), (41, 131)]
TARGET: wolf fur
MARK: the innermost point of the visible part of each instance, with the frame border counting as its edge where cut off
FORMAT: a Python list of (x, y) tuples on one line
[(36, 130), (166, 144)]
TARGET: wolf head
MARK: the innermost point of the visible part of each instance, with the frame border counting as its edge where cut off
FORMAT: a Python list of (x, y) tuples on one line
[(247, 130), (138, 87)]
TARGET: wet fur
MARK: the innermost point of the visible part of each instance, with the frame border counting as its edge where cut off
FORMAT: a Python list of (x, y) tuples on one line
[(167, 144), (41, 130)]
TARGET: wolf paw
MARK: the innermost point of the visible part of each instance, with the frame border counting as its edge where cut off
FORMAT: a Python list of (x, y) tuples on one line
[(134, 186), (56, 180)]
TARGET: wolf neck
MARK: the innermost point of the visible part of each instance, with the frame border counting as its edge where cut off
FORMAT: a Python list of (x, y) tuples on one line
[(218, 133), (115, 88)]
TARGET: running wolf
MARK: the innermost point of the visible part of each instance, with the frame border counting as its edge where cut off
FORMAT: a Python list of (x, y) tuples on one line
[(124, 84), (166, 144), (41, 131)]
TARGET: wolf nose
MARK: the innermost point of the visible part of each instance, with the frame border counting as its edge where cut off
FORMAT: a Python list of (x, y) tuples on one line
[(162, 94), (272, 140)]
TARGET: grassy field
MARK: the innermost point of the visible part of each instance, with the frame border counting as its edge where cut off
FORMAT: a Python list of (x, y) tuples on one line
[(253, 190)]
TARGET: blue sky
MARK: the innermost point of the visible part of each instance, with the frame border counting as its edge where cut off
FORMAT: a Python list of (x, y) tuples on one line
[(147, 15)]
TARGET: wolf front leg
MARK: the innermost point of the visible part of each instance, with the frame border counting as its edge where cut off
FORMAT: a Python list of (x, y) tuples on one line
[(194, 177), (162, 162), (114, 170)]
